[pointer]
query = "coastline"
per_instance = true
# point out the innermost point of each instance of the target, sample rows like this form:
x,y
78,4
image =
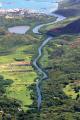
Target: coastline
x,y
14,13
17,11
46,10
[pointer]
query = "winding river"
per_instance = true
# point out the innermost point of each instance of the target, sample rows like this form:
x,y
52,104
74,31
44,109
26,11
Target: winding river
x,y
35,62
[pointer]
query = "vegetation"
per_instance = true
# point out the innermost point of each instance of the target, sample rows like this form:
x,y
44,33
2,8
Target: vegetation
x,y
17,75
63,23
61,62
61,92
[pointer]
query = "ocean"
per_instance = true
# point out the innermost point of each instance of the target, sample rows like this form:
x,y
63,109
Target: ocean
x,y
37,5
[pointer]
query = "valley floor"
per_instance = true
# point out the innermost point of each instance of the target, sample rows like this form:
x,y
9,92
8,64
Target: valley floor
x,y
60,60
17,74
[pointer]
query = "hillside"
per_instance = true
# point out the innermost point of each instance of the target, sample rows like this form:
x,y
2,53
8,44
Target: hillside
x,y
61,61
71,28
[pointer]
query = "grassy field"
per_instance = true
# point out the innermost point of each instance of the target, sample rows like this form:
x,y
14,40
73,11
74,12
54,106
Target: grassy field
x,y
22,75
16,55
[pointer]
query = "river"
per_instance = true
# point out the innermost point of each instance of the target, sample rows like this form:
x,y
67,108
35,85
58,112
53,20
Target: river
x,y
35,62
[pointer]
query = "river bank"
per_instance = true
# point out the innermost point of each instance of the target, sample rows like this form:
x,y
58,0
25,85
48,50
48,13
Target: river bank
x,y
16,54
52,100
35,62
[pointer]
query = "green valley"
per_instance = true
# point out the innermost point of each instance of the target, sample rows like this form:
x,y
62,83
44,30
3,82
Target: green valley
x,y
16,56
40,63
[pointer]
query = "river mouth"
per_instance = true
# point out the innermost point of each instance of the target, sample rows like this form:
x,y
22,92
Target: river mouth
x,y
19,29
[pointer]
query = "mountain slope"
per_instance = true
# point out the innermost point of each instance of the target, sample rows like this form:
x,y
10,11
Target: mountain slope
x,y
71,28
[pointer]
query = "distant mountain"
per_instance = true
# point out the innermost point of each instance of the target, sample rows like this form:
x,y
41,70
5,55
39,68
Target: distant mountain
x,y
69,8
72,1
69,4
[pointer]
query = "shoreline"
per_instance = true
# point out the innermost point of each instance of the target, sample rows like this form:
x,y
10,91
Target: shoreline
x,y
12,13
22,11
18,11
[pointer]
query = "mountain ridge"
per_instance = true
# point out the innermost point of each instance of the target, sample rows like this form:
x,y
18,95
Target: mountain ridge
x,y
69,8
71,28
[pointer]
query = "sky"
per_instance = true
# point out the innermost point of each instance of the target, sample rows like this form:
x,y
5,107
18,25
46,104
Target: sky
x,y
40,5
